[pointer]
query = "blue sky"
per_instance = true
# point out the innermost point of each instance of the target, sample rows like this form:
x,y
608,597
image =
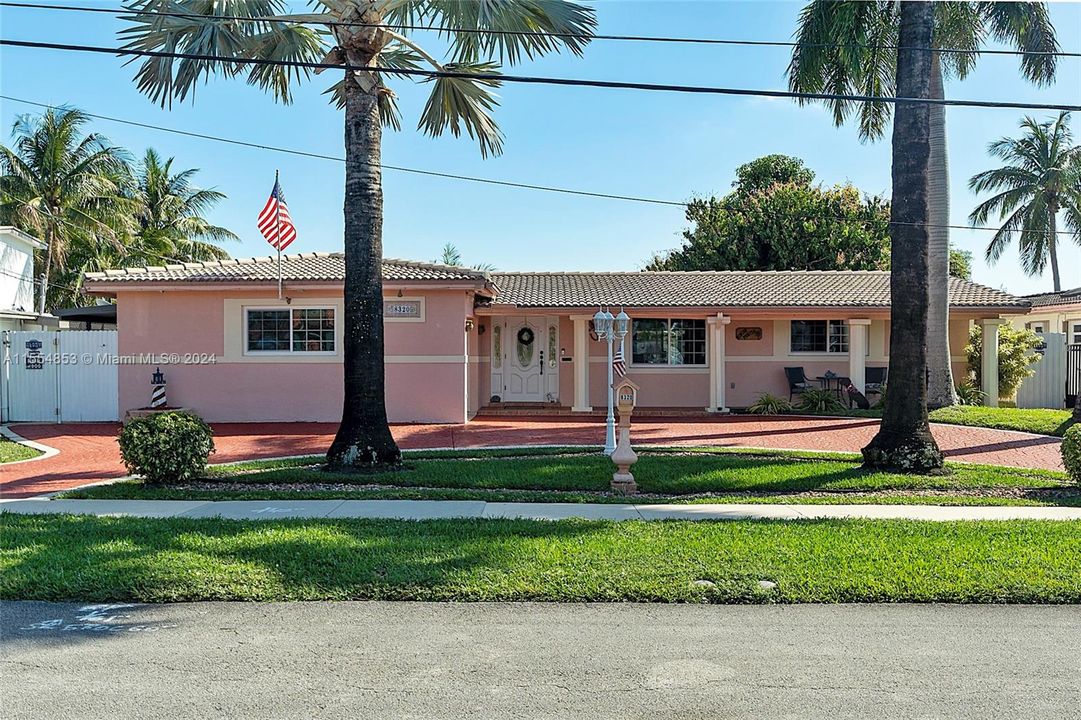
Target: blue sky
x,y
635,143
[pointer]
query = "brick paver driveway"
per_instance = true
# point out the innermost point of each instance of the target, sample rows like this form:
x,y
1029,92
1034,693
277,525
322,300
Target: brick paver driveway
x,y
88,452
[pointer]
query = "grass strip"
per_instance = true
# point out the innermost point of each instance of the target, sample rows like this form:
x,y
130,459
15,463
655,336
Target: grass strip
x,y
134,559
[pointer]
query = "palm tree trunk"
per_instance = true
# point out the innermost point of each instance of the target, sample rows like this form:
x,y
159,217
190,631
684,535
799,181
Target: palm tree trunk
x,y
363,437
1052,244
904,441
43,291
940,390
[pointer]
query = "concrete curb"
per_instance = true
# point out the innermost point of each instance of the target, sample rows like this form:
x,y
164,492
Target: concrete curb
x,y
440,509
45,450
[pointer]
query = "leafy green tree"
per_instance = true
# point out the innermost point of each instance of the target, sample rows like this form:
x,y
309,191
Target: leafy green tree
x,y
904,441
1015,357
1040,177
775,219
361,34
849,47
960,264
67,189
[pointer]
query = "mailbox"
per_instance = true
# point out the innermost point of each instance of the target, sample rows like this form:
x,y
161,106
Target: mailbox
x,y
626,396
626,392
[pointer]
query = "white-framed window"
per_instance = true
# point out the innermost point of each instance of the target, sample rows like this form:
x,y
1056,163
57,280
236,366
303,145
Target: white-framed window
x,y
1075,333
819,336
668,342
279,330
1036,327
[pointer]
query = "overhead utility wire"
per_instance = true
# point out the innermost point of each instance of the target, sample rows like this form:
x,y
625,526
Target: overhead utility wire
x,y
320,156
119,12
450,176
534,80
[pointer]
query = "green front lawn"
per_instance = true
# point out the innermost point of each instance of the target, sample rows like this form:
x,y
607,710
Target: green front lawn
x,y
11,451
130,559
576,475
1041,422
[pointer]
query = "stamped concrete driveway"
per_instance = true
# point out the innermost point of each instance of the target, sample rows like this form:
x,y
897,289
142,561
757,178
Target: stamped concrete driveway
x,y
88,452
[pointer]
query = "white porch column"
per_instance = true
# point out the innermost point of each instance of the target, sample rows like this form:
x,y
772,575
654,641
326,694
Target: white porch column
x,y
989,360
581,363
717,383
857,352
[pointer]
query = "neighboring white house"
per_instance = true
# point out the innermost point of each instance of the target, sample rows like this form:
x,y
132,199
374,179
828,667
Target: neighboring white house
x,y
17,309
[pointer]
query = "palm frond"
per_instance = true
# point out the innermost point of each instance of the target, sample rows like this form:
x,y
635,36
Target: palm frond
x,y
458,104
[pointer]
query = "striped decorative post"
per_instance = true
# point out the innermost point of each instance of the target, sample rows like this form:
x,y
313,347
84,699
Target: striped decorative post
x,y
157,395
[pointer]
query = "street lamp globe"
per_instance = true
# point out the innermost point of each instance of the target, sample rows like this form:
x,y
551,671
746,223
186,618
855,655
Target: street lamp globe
x,y
622,321
602,323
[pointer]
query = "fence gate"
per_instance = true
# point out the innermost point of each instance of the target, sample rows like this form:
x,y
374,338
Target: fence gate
x,y
1046,388
59,376
1073,374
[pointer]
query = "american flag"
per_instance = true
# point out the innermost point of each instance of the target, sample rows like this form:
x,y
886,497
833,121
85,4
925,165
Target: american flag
x,y
618,366
274,221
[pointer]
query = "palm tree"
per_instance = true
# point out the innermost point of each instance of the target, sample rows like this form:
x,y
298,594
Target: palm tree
x,y
451,256
66,188
904,441
1040,177
170,223
361,34
850,47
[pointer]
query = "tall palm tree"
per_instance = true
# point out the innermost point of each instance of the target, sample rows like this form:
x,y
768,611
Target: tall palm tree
x,y
362,34
1040,177
904,441
171,223
850,47
64,187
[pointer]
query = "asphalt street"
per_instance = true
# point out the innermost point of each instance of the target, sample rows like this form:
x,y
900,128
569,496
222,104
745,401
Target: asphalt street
x,y
508,660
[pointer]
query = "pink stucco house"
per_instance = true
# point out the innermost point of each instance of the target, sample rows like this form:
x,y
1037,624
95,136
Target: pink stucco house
x,y
459,340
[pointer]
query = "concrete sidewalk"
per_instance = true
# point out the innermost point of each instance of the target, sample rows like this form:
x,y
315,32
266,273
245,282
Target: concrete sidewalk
x,y
436,509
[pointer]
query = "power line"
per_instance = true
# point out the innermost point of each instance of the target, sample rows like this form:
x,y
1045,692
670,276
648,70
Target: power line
x,y
320,156
449,176
120,12
534,80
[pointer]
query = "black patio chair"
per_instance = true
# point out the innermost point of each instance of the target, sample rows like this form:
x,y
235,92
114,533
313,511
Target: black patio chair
x,y
797,381
874,380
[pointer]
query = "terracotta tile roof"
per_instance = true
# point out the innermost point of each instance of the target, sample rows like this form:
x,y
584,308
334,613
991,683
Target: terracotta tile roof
x,y
723,289
319,266
1062,297
583,289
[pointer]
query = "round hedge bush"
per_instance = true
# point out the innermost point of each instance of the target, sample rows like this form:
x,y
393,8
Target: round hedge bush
x,y
1071,452
166,447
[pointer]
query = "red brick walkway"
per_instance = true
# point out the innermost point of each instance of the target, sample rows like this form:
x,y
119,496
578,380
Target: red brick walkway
x,y
88,452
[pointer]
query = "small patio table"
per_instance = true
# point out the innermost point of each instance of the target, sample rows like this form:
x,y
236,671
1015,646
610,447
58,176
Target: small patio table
x,y
832,383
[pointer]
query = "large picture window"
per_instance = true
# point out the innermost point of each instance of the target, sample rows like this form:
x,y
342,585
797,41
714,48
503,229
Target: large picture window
x,y
668,342
285,330
819,336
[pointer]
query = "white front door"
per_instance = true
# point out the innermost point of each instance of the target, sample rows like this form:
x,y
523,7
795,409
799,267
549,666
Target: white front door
x,y
528,371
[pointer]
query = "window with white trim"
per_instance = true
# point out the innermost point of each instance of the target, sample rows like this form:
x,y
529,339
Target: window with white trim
x,y
819,336
290,330
668,342
1075,334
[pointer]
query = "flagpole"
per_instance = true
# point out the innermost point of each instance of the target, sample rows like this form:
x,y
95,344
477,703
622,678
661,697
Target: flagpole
x,y
278,234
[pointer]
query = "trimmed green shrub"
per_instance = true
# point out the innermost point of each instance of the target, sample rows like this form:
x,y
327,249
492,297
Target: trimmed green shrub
x,y
1071,452
769,404
820,401
166,447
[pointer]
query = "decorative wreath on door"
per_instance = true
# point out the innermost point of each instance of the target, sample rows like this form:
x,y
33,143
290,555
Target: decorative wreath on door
x,y
525,336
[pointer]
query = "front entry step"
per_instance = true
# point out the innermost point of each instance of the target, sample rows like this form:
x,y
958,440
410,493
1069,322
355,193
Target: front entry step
x,y
513,409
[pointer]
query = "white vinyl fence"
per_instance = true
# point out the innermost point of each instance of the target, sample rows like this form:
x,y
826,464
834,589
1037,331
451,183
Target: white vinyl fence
x,y
65,376
1047,388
